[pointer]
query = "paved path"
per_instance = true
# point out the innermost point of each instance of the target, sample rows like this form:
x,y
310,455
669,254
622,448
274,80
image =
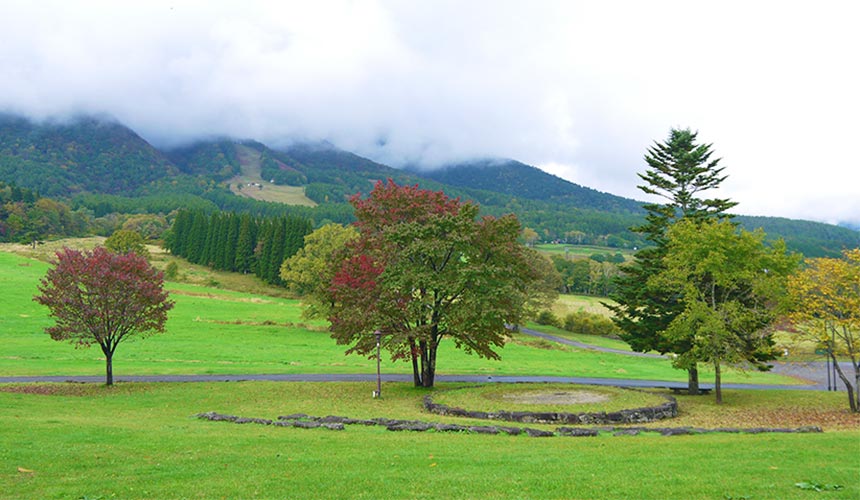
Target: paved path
x,y
581,345
810,376
310,377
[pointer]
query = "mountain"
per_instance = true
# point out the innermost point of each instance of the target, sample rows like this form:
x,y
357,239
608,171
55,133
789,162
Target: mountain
x,y
104,167
84,154
520,180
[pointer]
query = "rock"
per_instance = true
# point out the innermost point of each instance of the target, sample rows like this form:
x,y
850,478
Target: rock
x,y
484,429
809,428
626,432
577,432
293,416
410,426
538,433
450,428
306,425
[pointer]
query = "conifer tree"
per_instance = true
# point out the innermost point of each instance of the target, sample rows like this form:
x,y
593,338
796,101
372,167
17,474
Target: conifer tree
x,y
679,170
245,245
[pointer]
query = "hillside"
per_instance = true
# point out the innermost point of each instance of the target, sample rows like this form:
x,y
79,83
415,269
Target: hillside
x,y
104,167
82,155
520,180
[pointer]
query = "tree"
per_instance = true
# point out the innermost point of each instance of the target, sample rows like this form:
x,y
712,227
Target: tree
x,y
125,241
731,286
679,170
104,298
424,268
826,307
531,236
310,271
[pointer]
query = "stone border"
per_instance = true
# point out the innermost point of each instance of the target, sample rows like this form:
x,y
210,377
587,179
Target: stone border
x,y
337,423
669,409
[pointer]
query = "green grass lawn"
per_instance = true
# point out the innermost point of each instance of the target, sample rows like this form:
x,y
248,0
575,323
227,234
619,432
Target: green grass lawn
x,y
142,441
582,250
216,331
566,304
88,441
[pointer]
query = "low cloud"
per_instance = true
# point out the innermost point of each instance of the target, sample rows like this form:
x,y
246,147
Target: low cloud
x,y
579,89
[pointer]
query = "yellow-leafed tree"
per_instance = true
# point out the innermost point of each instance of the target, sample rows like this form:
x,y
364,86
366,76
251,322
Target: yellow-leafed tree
x,y
826,306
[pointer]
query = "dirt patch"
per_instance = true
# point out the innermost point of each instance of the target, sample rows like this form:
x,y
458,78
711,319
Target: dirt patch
x,y
48,389
556,397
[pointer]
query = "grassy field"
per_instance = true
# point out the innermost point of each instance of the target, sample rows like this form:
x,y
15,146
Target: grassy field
x,y
142,441
217,331
88,441
250,160
582,250
567,304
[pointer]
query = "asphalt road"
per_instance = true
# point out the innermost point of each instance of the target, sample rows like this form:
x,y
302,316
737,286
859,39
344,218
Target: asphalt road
x,y
810,376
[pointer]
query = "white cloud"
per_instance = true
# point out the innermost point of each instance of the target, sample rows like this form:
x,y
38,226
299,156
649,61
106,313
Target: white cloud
x,y
579,88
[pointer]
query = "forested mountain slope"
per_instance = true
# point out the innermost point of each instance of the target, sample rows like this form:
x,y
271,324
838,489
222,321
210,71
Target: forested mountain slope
x,y
85,154
524,181
104,167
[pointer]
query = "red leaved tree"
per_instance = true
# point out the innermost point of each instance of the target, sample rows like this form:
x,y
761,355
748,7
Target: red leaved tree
x,y
103,298
425,268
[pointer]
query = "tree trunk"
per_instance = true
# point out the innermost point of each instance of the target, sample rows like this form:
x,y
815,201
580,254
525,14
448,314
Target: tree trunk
x,y
718,381
430,375
413,352
428,363
693,380
852,400
109,368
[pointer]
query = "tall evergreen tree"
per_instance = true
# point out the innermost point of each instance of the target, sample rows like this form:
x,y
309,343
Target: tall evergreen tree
x,y
679,170
245,244
196,238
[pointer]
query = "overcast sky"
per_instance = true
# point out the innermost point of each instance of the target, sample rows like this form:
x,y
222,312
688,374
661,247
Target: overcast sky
x,y
579,89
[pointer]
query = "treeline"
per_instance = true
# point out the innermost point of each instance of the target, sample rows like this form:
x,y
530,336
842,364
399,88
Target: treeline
x,y
592,276
235,242
26,217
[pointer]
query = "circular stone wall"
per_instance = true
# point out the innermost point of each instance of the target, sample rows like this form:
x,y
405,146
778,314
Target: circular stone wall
x,y
669,409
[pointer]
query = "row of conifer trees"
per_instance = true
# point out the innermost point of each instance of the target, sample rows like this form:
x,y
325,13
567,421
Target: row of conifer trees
x,y
237,242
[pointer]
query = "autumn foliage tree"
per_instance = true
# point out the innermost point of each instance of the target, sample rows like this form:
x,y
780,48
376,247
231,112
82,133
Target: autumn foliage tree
x,y
425,268
103,298
826,307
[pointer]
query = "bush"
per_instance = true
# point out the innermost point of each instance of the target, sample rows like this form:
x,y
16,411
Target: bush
x,y
171,271
590,324
546,317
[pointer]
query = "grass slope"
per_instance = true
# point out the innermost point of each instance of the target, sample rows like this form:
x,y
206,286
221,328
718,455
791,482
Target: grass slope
x,y
215,331
250,161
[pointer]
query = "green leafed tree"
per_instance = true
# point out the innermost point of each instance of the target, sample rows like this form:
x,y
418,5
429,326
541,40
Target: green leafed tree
x,y
680,171
425,269
103,298
731,288
125,240
309,272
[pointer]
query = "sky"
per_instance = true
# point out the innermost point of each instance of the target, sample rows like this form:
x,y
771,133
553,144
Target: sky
x,y
578,89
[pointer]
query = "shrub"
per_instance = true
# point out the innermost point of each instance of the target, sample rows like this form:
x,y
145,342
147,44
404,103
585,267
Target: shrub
x,y
590,324
546,317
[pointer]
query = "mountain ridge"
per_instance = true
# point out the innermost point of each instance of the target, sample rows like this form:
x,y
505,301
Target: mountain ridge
x,y
95,158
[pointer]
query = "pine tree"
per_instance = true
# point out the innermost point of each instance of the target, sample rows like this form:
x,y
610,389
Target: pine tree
x,y
679,171
245,244
196,238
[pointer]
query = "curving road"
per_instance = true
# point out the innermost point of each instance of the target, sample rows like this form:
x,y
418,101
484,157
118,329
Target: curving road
x,y
810,376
